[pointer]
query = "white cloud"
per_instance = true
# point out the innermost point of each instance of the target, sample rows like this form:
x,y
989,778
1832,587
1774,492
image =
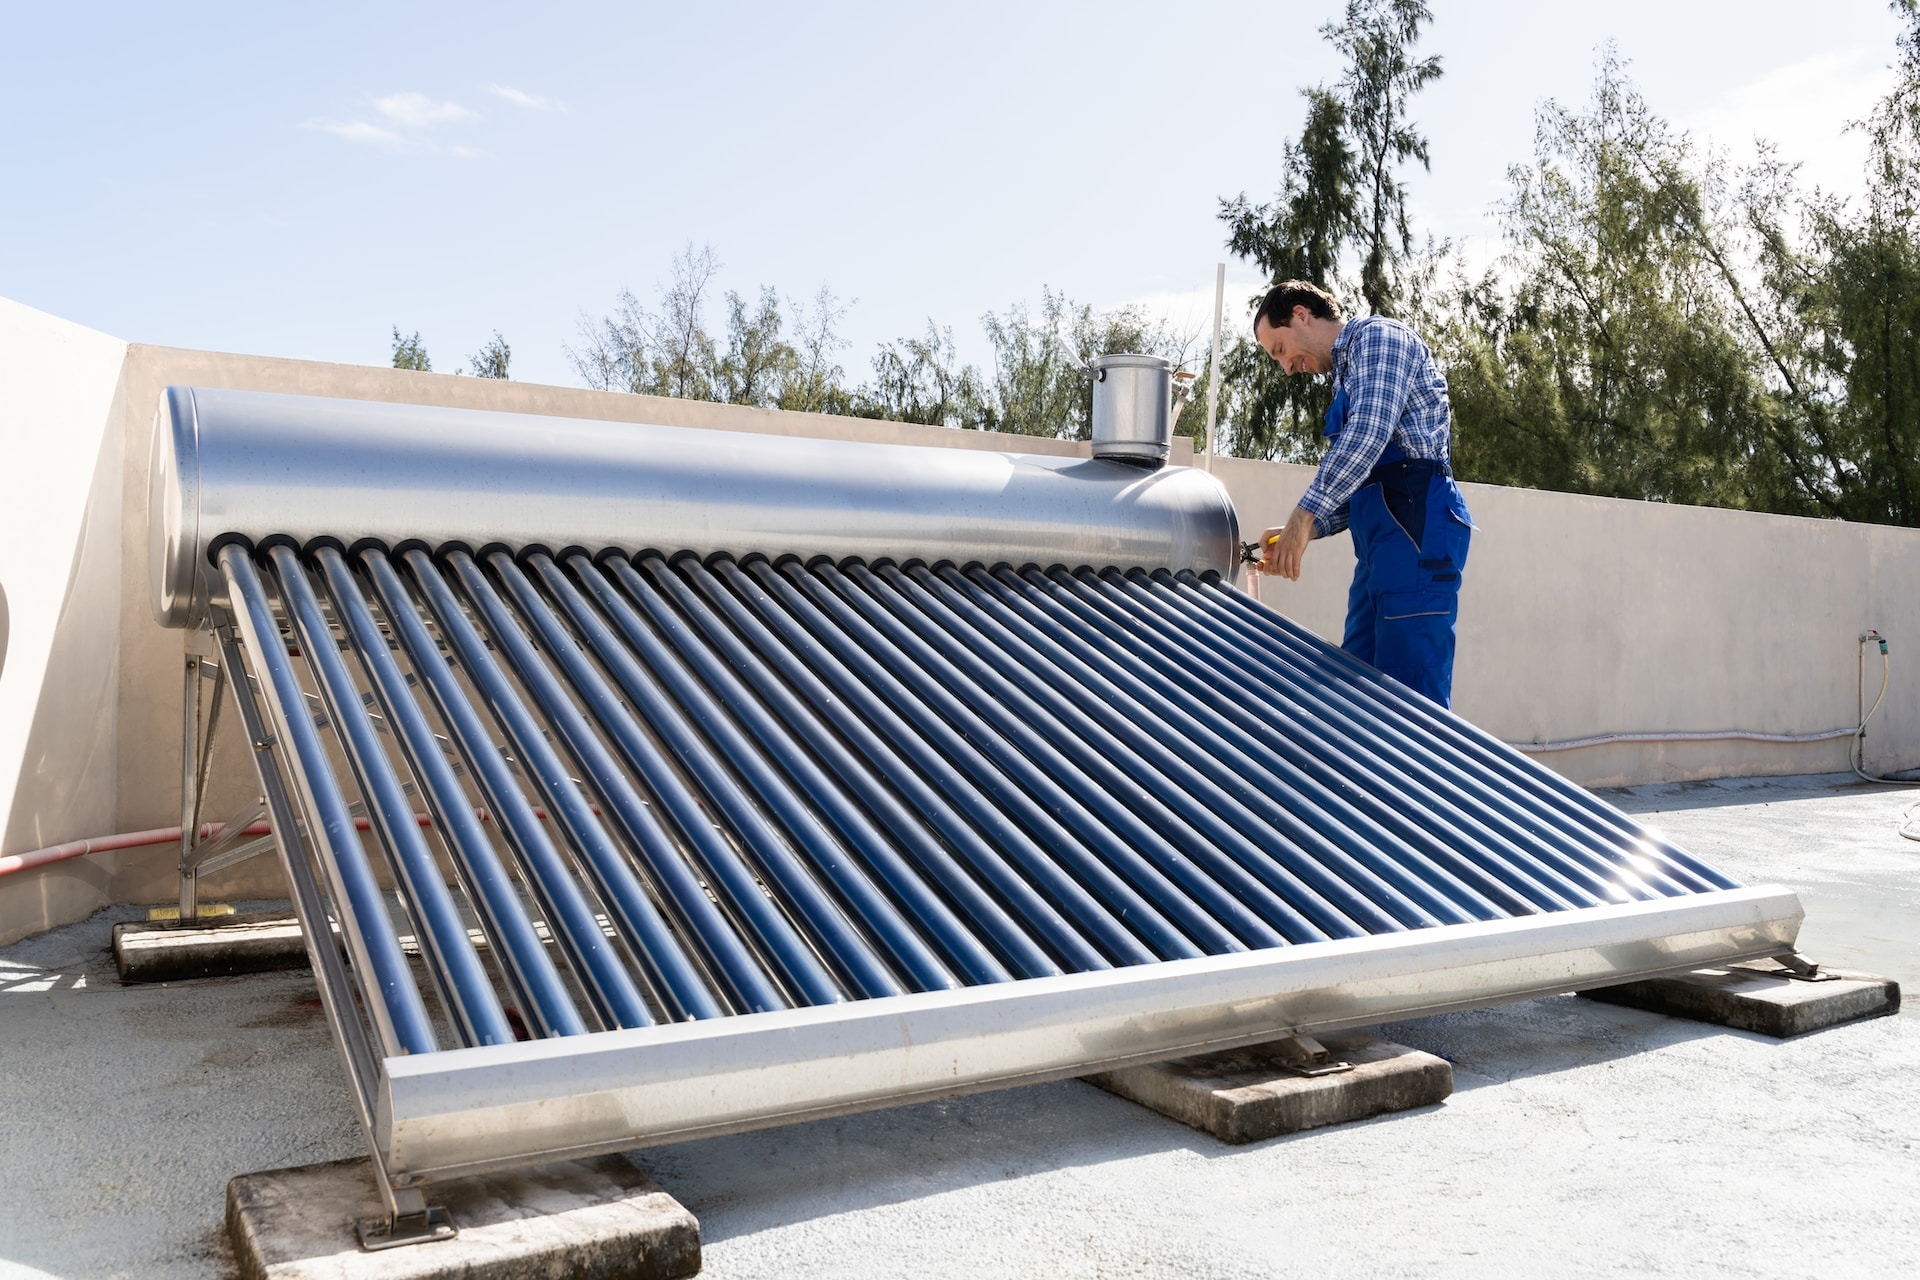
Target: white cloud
x,y
418,111
521,98
408,120
1804,107
357,131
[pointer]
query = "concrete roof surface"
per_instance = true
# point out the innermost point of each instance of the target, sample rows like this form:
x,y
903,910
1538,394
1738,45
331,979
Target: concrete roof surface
x,y
1582,1139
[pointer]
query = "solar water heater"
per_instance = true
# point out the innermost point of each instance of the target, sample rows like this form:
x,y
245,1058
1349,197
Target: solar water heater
x,y
639,783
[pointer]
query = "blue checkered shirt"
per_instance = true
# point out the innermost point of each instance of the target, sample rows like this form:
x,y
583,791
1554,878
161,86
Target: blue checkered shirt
x,y
1394,392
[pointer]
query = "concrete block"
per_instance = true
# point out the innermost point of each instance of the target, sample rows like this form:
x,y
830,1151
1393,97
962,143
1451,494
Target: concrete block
x,y
598,1219
1245,1095
167,951
1759,998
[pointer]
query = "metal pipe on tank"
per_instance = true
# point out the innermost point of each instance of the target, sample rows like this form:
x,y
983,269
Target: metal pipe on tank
x,y
1132,409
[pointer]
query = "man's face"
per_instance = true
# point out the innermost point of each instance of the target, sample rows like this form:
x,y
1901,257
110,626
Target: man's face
x,y
1291,345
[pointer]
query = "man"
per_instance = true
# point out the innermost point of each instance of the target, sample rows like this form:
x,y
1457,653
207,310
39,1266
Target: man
x,y
1385,476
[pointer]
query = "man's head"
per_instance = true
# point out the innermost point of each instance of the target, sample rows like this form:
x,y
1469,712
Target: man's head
x,y
1296,324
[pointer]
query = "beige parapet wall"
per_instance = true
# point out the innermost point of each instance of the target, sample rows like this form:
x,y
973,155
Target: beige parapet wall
x,y
1581,616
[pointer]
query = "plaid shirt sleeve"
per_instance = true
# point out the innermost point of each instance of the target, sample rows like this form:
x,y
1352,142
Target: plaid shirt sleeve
x,y
1381,365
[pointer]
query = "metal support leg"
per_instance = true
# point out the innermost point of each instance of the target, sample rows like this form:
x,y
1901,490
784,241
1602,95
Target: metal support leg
x,y
196,757
1305,1056
198,851
416,1226
189,794
1799,968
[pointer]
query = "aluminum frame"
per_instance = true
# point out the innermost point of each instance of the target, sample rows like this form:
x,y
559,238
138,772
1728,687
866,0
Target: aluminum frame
x,y
467,1111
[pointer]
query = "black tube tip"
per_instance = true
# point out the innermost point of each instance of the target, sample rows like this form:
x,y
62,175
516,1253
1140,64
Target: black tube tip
x,y
489,550
225,540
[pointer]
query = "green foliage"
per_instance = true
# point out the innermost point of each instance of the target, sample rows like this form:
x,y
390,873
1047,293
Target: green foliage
x,y
491,360
1340,204
1301,234
1040,383
1037,376
683,351
1377,39
1842,290
757,364
1608,353
1866,302
922,380
817,383
410,353
666,351
1658,331
613,354
1038,386
1659,327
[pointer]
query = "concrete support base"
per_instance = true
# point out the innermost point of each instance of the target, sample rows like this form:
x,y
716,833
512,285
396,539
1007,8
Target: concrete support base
x,y
162,951
1244,1095
598,1219
1758,997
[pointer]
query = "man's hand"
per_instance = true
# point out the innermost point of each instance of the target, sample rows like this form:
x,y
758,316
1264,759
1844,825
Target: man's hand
x,y
1282,549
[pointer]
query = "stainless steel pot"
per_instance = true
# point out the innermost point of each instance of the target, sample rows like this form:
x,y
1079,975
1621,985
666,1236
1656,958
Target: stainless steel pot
x,y
1132,408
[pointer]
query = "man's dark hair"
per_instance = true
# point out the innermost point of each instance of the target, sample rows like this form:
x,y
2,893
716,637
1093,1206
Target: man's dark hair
x,y
1277,307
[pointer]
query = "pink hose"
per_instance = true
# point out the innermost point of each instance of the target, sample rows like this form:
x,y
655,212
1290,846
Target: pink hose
x,y
107,844
159,835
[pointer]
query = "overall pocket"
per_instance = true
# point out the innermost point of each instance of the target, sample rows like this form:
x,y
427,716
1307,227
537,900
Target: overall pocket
x,y
1408,606
1443,551
1413,640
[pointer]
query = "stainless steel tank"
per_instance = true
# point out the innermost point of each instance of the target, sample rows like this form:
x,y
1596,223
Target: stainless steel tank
x,y
255,465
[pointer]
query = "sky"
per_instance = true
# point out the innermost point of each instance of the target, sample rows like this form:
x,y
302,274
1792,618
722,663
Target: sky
x,y
297,181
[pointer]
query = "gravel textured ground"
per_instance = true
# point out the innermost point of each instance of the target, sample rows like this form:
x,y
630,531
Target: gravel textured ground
x,y
1582,1139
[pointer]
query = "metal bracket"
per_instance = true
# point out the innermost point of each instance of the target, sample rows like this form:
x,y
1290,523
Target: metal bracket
x,y
430,1224
1799,968
199,726
1305,1056
232,844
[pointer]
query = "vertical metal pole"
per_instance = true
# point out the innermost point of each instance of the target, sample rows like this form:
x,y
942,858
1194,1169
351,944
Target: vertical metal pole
x,y
1860,693
196,762
208,734
189,792
1213,365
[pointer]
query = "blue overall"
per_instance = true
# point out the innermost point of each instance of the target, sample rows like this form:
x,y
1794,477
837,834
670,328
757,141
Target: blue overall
x,y
1410,533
